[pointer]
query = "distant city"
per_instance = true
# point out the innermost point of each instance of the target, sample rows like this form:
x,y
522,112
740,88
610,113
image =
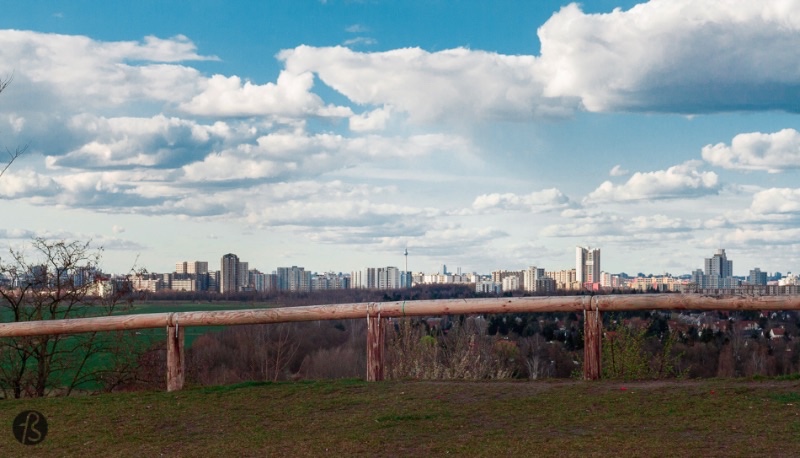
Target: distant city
x,y
235,275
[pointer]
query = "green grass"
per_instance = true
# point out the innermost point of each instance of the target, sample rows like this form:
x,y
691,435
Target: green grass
x,y
355,418
148,336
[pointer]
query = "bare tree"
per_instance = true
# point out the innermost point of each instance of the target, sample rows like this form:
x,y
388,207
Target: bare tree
x,y
12,155
60,280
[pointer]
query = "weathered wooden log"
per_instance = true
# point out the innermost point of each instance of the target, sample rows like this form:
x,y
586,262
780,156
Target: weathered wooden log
x,y
592,338
402,308
176,364
376,337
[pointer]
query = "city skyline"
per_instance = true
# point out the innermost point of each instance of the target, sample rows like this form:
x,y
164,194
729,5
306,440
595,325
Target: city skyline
x,y
717,265
337,134
235,276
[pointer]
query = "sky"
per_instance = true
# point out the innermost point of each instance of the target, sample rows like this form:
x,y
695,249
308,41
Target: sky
x,y
335,134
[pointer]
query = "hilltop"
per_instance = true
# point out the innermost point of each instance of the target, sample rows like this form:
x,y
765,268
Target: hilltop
x,y
718,417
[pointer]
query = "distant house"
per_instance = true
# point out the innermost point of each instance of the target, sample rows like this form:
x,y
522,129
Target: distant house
x,y
777,333
749,328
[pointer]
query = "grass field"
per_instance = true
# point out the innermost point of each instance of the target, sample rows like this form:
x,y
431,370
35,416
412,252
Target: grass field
x,y
355,418
146,337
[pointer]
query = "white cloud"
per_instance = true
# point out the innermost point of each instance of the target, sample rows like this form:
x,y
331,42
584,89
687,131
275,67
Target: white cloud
x,y
761,236
680,181
151,142
296,154
618,171
87,73
360,41
290,96
537,201
587,225
773,153
356,28
776,200
374,120
661,223
26,183
433,86
683,56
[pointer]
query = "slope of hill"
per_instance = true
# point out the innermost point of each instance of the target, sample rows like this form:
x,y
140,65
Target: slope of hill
x,y
355,418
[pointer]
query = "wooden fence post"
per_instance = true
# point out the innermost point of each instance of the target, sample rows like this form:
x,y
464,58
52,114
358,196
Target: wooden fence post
x,y
376,336
592,337
176,365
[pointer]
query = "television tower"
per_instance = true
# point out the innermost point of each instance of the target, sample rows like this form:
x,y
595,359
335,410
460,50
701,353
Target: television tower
x,y
405,253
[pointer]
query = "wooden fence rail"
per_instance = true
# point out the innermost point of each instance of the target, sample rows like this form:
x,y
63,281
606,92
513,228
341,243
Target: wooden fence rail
x,y
376,314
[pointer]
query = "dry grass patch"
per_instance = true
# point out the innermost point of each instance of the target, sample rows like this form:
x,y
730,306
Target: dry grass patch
x,y
354,418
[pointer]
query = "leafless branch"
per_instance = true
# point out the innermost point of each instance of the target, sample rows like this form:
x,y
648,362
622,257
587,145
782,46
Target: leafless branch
x,y
5,83
12,156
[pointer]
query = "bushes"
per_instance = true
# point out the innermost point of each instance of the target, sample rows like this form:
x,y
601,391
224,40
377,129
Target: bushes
x,y
324,349
628,354
464,352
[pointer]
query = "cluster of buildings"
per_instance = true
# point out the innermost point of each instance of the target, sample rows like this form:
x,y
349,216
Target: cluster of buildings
x,y
235,275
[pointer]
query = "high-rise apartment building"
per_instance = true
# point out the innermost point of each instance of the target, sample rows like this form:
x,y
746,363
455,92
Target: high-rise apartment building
x,y
499,275
531,274
537,281
243,277
229,275
757,277
565,279
719,265
377,278
194,271
718,272
294,279
587,265
511,283
258,280
197,267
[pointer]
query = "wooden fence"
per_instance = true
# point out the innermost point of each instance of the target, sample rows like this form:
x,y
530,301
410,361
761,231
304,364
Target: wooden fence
x,y
377,313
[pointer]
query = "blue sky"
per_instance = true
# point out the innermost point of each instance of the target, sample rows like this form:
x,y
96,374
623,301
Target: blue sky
x,y
333,134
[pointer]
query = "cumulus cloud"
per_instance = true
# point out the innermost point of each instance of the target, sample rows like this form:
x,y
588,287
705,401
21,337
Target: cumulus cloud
x,y
773,152
281,155
26,183
776,200
335,207
537,201
290,96
587,225
432,86
661,223
680,181
374,120
679,56
157,141
90,73
761,236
